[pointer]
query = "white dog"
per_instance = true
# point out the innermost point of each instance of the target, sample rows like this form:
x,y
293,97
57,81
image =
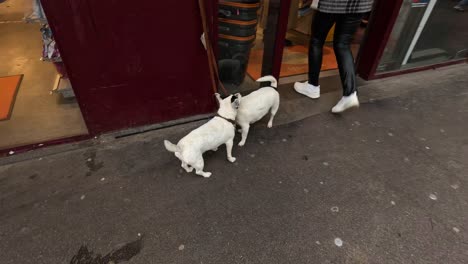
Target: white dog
x,y
256,105
219,130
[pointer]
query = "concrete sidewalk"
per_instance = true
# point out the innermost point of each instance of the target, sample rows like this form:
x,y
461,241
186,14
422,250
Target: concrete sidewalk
x,y
388,180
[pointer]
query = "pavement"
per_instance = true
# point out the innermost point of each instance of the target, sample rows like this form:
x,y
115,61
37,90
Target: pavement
x,y
387,183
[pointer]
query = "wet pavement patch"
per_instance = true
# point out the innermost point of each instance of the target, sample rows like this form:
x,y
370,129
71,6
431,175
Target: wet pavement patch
x,y
121,254
91,163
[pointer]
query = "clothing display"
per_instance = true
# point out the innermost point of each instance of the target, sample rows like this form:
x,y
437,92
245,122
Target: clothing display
x,y
50,51
36,14
237,28
239,11
237,32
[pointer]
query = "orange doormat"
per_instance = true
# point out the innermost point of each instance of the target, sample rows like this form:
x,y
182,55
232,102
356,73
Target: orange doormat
x,y
295,61
8,89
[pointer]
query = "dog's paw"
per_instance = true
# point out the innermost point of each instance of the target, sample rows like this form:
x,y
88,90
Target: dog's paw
x,y
206,175
241,144
270,124
232,159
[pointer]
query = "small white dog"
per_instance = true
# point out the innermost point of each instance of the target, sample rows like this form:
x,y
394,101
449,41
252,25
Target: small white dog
x,y
219,130
256,105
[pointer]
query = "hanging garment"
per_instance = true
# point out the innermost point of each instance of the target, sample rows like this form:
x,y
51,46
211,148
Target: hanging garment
x,y
50,51
37,13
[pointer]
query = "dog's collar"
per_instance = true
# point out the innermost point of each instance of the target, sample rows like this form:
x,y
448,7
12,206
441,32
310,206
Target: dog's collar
x,y
233,122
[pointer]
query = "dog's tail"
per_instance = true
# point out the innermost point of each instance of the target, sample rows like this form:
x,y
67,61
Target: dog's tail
x,y
171,147
270,79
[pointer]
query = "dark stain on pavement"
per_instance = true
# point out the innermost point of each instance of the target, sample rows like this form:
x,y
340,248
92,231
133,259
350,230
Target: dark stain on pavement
x,y
34,176
91,163
121,254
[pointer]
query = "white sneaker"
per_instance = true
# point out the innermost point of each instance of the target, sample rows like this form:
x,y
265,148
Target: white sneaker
x,y
307,89
459,8
345,103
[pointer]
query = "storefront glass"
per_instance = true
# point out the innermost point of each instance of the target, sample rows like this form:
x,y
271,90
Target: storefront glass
x,y
427,32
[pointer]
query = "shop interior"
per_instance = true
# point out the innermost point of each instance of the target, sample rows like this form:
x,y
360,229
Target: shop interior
x,y
242,43
37,103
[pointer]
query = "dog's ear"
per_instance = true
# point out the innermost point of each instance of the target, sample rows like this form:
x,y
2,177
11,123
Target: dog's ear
x,y
218,97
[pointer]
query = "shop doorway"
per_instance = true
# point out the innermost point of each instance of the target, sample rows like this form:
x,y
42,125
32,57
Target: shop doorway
x,y
258,37
37,102
294,65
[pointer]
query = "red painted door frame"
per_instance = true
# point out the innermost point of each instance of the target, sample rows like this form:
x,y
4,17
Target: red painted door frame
x,y
282,28
383,17
132,64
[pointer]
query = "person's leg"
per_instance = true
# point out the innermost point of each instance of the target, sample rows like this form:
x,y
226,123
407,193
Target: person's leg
x,y
321,25
346,26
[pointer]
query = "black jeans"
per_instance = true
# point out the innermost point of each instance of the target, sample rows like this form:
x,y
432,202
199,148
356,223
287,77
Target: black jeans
x,y
346,26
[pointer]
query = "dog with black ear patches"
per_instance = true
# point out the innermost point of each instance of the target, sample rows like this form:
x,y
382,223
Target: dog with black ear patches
x,y
256,105
216,132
